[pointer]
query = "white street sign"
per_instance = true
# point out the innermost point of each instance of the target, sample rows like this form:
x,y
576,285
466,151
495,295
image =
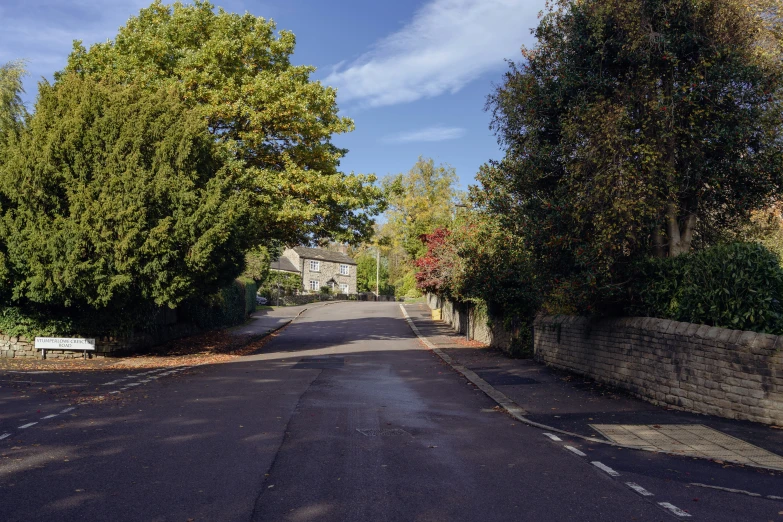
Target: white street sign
x,y
64,343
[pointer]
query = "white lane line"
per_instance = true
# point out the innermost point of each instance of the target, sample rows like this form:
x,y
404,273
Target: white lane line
x,y
730,490
112,382
603,467
575,451
25,426
774,497
53,415
66,410
553,437
134,384
113,392
636,487
674,509
5,436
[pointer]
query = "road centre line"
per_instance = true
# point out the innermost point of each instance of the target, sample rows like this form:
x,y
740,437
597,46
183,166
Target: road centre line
x,y
25,426
636,487
50,416
575,451
603,467
553,437
673,509
66,410
5,436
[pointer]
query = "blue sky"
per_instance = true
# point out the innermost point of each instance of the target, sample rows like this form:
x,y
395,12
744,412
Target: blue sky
x,y
414,75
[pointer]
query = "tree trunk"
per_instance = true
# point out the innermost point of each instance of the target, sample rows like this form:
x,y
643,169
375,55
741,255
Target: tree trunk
x,y
680,237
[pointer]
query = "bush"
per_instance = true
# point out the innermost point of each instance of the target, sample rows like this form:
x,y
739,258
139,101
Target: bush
x,y
228,307
736,286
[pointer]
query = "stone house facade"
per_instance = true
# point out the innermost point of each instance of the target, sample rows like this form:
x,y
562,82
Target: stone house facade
x,y
320,267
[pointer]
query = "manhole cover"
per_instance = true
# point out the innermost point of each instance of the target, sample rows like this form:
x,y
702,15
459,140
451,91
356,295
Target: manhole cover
x,y
391,432
506,379
320,363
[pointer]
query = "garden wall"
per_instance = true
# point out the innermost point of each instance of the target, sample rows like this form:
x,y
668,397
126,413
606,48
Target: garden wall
x,y
471,322
729,373
20,347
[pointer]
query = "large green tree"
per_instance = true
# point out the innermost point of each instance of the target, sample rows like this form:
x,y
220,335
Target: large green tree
x,y
12,109
115,197
637,127
236,72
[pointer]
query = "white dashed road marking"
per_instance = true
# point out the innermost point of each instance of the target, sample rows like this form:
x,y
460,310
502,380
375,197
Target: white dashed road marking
x,y
51,416
575,451
66,410
553,437
603,467
25,426
674,509
636,487
5,436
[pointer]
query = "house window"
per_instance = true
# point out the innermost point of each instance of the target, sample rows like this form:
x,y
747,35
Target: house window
x,y
315,266
344,270
314,285
343,288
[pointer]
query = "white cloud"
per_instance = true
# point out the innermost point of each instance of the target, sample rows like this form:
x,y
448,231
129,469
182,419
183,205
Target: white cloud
x,y
437,133
447,44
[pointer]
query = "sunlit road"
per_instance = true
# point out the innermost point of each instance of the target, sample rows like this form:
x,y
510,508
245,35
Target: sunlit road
x,y
344,416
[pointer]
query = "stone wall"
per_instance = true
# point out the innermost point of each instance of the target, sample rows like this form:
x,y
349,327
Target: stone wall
x,y
729,373
302,299
19,347
471,322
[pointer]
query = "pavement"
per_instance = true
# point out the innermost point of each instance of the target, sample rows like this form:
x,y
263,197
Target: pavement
x,y
264,322
341,416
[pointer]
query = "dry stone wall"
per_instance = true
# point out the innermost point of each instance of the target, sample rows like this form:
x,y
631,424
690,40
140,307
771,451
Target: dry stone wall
x,y
729,373
467,320
20,347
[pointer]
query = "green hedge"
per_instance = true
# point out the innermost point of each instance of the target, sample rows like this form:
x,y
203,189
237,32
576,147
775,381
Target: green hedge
x,y
738,286
229,307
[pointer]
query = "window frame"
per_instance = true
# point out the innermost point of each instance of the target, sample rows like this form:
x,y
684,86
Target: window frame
x,y
347,270
344,287
315,266
315,287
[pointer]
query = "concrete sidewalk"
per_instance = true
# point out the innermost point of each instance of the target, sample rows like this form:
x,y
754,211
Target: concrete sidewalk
x,y
264,322
581,406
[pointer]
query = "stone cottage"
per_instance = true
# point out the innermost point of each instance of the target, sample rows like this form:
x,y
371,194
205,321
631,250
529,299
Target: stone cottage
x,y
319,267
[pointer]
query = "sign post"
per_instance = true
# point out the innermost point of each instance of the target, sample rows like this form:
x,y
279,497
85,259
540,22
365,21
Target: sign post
x,y
63,343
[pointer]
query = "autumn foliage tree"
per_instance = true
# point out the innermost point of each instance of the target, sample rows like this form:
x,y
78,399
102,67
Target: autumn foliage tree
x,y
642,127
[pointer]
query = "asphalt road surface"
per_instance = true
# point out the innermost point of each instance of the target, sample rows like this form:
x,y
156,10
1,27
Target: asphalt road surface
x,y
343,416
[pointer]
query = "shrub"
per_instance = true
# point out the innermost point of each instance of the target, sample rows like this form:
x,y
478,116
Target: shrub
x,y
737,286
228,307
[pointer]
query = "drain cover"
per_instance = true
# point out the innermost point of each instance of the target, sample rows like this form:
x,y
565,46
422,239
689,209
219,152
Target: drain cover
x,y
320,363
392,432
505,379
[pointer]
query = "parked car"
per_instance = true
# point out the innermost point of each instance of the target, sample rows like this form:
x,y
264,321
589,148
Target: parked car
x,y
260,300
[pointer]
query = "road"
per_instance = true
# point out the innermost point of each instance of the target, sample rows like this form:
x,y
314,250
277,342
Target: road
x,y
343,416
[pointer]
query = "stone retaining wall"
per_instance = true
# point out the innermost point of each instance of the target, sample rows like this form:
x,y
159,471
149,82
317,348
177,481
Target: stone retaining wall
x,y
19,347
466,319
729,373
